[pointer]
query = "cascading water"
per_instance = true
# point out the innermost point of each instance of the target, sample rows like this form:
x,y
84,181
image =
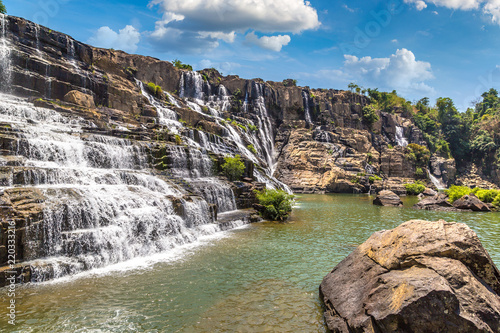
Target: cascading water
x,y
307,109
102,205
166,116
400,138
5,60
440,185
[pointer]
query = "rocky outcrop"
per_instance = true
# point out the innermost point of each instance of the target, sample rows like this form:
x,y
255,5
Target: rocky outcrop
x,y
471,202
80,99
420,277
388,198
443,169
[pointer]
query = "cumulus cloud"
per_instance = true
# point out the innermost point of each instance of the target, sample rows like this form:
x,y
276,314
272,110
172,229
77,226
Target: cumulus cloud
x,y
209,21
272,43
400,71
488,7
125,39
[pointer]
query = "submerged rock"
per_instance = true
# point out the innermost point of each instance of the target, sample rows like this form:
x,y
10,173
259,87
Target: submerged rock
x,y
387,198
419,277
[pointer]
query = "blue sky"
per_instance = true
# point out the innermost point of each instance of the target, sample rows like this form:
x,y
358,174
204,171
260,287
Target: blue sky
x,y
436,48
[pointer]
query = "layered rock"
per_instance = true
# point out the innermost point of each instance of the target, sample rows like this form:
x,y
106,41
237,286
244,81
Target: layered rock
x,y
420,277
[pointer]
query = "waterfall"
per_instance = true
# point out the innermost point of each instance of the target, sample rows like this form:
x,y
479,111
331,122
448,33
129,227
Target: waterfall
x,y
440,185
5,60
264,124
307,111
166,116
400,138
102,203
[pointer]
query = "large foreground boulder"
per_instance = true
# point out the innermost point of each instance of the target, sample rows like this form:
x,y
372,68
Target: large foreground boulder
x,y
420,277
388,198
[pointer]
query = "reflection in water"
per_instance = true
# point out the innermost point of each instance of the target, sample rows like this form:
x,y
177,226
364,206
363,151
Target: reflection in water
x,y
263,277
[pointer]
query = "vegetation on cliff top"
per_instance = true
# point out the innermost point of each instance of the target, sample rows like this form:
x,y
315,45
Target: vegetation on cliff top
x,y
3,10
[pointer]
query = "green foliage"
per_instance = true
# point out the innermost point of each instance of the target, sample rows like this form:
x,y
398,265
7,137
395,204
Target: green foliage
x,y
483,144
178,139
252,149
373,179
419,173
370,115
253,128
388,102
496,201
487,196
389,146
420,153
154,89
415,188
277,204
178,64
456,192
3,10
233,167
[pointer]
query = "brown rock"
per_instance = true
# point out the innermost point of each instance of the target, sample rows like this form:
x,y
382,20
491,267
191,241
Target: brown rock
x,y
79,98
387,198
420,277
471,202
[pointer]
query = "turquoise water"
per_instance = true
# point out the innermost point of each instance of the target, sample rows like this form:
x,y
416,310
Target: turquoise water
x,y
264,277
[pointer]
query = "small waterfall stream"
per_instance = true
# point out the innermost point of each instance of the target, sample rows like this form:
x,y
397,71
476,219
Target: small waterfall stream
x,y
400,138
307,108
440,185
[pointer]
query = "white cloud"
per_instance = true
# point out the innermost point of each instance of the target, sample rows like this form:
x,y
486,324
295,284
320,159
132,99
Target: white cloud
x,y
394,41
489,7
400,71
273,43
206,22
126,39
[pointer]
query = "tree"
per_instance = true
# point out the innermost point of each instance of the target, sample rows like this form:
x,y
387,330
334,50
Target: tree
x,y
3,10
276,204
352,86
233,167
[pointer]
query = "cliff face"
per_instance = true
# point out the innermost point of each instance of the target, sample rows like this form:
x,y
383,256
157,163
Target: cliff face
x,y
98,137
325,125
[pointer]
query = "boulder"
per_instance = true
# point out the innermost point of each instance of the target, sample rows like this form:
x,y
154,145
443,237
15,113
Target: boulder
x,y
438,202
471,202
429,192
419,277
387,198
79,98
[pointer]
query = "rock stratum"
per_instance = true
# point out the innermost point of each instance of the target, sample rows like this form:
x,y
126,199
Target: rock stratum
x,y
419,277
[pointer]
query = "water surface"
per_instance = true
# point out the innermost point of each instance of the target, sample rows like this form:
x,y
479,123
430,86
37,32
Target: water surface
x,y
262,278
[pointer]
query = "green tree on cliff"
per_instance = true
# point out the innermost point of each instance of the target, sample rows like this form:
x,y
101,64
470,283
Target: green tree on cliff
x,y
3,10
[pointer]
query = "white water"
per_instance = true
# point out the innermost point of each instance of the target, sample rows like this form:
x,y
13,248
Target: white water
x,y
400,139
5,61
440,185
103,206
307,111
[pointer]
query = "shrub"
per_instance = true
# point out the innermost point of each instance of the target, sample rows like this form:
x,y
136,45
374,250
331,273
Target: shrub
x,y
389,146
178,64
415,188
370,115
421,153
3,10
487,196
154,89
456,192
233,167
277,204
419,173
253,128
252,149
372,179
178,139
496,201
